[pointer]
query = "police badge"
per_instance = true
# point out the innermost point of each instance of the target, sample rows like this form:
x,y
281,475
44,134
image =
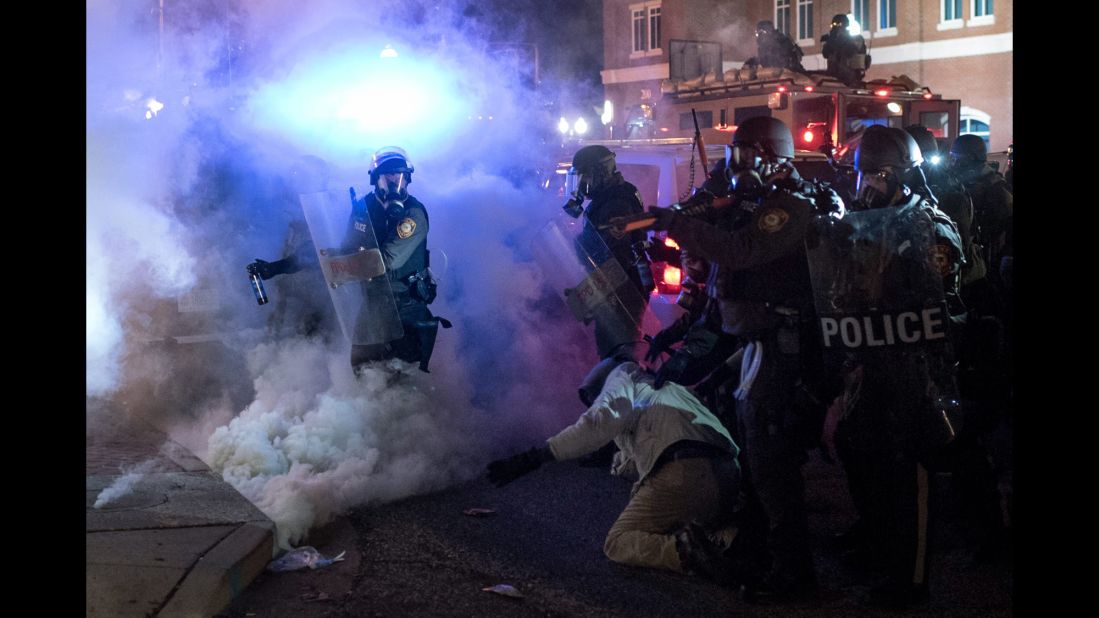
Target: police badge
x,y
406,228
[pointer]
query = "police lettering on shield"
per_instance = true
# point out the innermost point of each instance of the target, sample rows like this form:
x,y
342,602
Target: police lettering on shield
x,y
882,329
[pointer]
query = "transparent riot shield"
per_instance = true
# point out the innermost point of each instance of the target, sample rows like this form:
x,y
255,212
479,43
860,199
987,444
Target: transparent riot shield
x,y
577,262
879,298
356,276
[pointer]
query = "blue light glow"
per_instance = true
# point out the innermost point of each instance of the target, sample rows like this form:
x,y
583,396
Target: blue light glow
x,y
348,101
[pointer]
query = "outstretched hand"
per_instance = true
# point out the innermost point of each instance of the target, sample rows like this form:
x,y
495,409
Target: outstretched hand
x,y
503,471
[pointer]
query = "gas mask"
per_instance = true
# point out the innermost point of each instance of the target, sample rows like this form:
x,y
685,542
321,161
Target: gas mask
x,y
392,187
878,189
578,187
750,170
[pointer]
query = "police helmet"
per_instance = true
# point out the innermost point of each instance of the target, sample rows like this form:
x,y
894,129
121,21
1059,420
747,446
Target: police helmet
x,y
924,139
765,26
390,160
589,157
592,169
968,151
886,147
840,20
771,135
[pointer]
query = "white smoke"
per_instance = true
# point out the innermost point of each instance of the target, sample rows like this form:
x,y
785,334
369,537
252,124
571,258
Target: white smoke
x,y
125,484
182,200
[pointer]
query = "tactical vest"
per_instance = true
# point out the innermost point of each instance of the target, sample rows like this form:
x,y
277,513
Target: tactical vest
x,y
384,227
749,298
625,196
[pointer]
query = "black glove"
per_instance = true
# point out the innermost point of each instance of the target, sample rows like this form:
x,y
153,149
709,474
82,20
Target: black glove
x,y
672,370
266,270
662,342
503,471
664,217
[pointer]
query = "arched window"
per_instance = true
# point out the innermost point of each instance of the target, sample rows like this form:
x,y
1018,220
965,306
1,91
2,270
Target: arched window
x,y
975,122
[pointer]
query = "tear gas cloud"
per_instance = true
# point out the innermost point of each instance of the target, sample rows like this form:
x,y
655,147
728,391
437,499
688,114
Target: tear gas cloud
x,y
202,128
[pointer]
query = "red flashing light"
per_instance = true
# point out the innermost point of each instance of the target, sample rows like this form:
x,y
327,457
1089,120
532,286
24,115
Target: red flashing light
x,y
668,242
808,136
782,88
882,93
927,95
808,89
672,275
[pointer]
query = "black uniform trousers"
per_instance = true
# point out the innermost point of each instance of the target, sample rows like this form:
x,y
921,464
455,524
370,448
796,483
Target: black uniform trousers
x,y
409,348
884,443
773,452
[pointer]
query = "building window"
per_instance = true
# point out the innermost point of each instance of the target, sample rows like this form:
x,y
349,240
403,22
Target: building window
x,y
951,15
805,22
860,12
952,10
973,126
639,31
782,16
645,19
654,28
980,13
887,15
974,121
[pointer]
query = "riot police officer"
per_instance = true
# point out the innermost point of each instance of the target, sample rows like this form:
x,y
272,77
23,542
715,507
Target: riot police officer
x,y
595,177
763,295
892,419
846,54
399,221
397,224
987,370
992,201
775,49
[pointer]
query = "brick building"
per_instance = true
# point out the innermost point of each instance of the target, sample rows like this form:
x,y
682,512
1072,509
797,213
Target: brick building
x,y
961,49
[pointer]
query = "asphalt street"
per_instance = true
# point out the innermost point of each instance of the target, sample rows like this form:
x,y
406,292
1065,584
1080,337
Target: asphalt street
x,y
424,557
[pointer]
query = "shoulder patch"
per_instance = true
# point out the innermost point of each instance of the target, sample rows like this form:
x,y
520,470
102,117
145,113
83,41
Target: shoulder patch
x,y
773,220
942,260
406,228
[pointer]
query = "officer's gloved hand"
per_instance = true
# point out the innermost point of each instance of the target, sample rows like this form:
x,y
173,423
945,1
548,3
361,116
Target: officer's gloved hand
x,y
660,344
672,370
664,217
503,471
285,266
266,270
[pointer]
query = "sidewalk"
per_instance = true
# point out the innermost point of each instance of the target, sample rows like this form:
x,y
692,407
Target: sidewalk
x,y
179,542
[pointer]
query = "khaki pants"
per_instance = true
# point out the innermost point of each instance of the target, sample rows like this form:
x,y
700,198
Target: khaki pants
x,y
678,493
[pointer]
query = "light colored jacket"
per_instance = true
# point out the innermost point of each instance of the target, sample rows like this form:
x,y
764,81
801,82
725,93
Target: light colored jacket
x,y
642,421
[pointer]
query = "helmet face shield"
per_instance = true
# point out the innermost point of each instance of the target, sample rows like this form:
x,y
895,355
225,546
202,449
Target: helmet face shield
x,y
578,184
876,189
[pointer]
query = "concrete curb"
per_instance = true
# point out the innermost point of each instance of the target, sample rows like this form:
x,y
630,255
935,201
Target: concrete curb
x,y
223,572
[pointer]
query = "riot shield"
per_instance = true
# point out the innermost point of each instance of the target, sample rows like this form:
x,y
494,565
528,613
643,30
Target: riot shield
x,y
879,298
577,262
356,276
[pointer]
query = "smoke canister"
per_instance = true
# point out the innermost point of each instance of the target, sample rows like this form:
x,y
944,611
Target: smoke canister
x,y
257,285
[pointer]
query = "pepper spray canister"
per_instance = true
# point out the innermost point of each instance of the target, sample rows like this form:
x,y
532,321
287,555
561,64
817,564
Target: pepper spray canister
x,y
257,284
